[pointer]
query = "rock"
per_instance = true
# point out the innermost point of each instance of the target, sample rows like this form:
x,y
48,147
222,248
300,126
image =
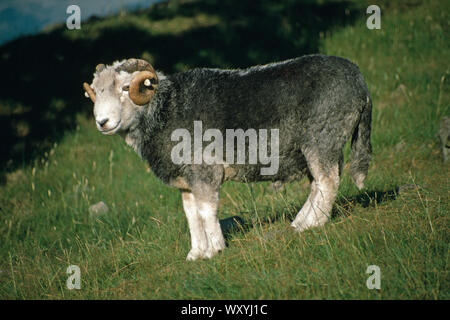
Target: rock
x,y
444,135
98,210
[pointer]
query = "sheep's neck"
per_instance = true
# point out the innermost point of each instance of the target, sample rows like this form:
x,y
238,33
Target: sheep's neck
x,y
132,139
138,135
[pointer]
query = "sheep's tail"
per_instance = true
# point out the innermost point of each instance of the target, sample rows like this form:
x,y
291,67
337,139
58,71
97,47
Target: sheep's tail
x,y
361,146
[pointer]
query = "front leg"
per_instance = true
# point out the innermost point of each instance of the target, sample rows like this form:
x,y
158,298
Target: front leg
x,y
199,242
207,204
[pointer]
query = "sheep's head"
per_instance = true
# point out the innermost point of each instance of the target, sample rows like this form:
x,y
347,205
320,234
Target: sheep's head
x,y
119,91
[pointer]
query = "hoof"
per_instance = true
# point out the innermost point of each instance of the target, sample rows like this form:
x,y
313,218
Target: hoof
x,y
306,225
195,254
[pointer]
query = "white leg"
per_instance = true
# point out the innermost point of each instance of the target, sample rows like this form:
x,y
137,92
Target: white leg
x,y
208,212
317,209
199,242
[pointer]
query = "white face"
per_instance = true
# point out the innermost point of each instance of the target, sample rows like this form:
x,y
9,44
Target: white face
x,y
113,109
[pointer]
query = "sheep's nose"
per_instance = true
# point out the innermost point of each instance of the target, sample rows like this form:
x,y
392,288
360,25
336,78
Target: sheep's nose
x,y
102,122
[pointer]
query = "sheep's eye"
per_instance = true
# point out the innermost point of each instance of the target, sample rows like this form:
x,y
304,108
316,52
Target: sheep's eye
x,y
126,88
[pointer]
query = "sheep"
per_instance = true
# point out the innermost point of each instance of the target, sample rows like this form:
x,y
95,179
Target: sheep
x,y
315,103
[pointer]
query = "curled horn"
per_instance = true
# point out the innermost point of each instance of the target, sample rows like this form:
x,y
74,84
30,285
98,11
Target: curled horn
x,y
143,85
90,93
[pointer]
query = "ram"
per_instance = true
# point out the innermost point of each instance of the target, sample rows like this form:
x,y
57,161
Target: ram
x,y
314,103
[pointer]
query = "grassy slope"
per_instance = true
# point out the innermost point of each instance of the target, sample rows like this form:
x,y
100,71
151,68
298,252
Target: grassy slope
x,y
138,250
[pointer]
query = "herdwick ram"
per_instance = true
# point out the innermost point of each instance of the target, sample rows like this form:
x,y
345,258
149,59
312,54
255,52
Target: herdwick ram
x,y
315,102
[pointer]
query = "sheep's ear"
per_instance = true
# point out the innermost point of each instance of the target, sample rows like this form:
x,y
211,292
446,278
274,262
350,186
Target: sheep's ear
x,y
100,67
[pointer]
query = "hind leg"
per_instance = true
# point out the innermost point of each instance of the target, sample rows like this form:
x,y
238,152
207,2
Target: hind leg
x,y
324,186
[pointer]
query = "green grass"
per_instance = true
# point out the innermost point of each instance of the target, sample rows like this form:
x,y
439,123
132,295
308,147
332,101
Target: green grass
x,y
138,249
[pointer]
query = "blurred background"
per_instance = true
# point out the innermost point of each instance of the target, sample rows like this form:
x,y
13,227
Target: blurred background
x,y
24,17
